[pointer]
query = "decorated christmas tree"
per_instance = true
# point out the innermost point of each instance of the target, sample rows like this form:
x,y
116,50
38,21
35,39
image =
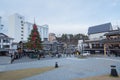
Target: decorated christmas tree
x,y
34,40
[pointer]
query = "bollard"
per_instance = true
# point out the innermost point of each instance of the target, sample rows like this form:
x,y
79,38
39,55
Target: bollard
x,y
114,71
56,65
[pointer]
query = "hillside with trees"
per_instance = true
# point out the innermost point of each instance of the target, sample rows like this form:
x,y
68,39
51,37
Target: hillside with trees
x,y
72,39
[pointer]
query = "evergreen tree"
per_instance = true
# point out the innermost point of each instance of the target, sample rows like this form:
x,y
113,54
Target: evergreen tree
x,y
34,40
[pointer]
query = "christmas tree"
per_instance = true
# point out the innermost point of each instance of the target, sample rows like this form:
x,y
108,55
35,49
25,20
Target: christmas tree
x,y
34,40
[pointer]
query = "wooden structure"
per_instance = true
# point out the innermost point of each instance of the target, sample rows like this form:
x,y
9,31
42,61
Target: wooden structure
x,y
112,42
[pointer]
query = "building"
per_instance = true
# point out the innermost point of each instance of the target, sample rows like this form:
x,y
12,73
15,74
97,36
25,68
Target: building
x,y
19,29
112,43
52,37
0,22
43,30
96,34
5,43
16,27
1,25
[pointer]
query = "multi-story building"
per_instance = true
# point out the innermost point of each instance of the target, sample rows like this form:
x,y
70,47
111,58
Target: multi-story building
x,y
0,21
16,27
1,25
20,30
96,34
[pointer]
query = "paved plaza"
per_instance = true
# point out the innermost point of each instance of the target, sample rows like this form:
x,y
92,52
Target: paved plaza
x,y
69,67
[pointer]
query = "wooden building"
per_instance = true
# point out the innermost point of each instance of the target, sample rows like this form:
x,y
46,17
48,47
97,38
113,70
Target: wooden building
x,y
112,43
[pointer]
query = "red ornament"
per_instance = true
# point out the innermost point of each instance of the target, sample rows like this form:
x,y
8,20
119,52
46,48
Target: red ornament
x,y
35,33
33,38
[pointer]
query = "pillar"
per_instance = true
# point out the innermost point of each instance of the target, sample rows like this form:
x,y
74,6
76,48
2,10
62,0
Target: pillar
x,y
105,49
1,43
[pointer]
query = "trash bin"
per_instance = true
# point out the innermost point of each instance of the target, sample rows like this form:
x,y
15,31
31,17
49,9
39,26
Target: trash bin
x,y
114,71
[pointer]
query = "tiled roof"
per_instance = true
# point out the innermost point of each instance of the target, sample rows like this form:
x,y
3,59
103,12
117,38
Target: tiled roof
x,y
100,28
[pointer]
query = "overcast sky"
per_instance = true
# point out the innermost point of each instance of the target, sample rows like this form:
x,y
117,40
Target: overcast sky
x,y
65,16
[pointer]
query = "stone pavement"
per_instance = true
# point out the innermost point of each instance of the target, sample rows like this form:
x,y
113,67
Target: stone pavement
x,y
69,68
72,68
4,60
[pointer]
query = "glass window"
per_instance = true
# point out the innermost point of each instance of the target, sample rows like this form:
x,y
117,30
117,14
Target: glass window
x,y
22,24
21,21
22,31
6,41
21,27
20,17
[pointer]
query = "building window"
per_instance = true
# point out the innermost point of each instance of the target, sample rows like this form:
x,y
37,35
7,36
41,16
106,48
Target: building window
x,y
20,17
21,21
21,37
5,41
21,27
21,34
21,31
22,24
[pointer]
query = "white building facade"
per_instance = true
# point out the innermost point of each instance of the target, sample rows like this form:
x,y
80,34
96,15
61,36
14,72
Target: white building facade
x,y
0,21
1,25
16,27
20,30
5,42
43,30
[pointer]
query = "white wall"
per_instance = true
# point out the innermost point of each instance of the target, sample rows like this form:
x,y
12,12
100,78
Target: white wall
x,y
0,20
15,27
80,44
0,24
11,27
97,36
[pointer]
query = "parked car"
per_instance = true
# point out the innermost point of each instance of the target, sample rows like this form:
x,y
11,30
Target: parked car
x,y
85,53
